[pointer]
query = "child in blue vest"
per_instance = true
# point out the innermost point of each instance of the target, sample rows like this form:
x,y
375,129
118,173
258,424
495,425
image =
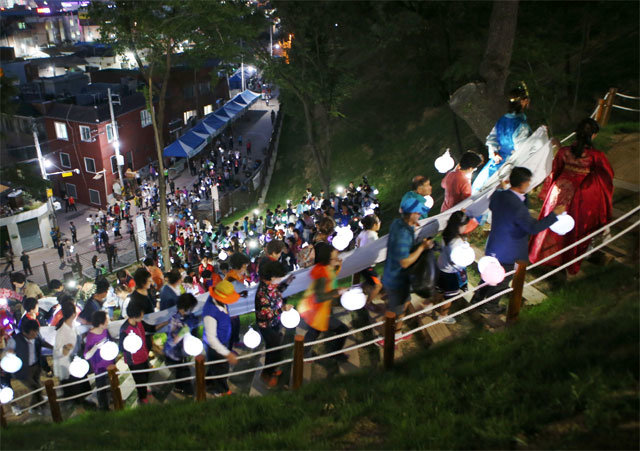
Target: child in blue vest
x,y
217,334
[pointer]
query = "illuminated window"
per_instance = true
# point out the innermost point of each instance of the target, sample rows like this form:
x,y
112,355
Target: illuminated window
x,y
208,109
85,133
61,131
145,118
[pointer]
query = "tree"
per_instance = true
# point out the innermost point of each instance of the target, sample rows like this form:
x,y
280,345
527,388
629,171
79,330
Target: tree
x,y
480,104
155,32
318,70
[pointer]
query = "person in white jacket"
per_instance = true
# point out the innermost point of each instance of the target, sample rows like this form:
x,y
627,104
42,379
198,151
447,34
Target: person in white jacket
x,y
65,347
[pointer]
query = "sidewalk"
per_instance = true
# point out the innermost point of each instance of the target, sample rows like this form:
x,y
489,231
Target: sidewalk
x,y
255,125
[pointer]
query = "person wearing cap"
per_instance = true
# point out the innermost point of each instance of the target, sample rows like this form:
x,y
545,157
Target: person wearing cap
x,y
402,253
217,333
420,188
95,302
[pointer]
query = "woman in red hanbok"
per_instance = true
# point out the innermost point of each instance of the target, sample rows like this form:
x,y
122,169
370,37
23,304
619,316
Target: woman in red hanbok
x,y
582,181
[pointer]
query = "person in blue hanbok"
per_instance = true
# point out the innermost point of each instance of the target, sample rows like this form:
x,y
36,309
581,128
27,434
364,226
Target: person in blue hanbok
x,y
510,131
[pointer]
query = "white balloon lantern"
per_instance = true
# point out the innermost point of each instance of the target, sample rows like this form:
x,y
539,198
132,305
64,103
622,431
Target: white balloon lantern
x,y
11,363
353,299
79,367
493,273
192,345
251,339
428,201
563,225
109,351
444,163
222,255
486,261
343,237
132,343
463,255
6,395
290,318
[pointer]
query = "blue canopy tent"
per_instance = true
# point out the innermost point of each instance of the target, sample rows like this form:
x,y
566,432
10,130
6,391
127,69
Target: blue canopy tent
x,y
234,109
235,81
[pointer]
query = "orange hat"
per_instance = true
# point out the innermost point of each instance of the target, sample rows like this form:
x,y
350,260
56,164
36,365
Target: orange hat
x,y
224,292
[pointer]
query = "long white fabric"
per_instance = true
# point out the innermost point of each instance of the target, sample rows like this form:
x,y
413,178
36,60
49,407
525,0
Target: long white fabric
x,y
535,154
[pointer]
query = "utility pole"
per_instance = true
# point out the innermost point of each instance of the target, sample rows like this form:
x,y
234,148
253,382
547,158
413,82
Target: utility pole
x,y
43,171
270,39
242,73
116,145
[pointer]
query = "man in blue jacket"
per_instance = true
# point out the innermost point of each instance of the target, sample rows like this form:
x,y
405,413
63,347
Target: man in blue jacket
x,y
511,226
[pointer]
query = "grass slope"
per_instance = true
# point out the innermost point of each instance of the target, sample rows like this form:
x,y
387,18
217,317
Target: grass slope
x,y
565,376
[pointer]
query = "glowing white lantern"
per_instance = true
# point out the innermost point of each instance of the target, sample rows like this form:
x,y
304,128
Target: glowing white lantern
x,y
192,345
290,318
486,261
493,273
563,225
109,351
444,163
462,255
6,395
256,212
222,255
428,201
253,244
339,189
343,238
375,192
353,299
71,284
132,343
252,339
79,367
11,363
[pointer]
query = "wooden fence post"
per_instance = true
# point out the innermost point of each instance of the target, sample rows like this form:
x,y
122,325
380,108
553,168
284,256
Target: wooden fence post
x,y
53,401
609,106
201,393
389,339
118,403
46,272
3,420
298,362
599,111
516,297
135,243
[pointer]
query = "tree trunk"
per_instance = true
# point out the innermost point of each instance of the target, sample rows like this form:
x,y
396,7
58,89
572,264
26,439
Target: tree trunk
x,y
481,104
318,154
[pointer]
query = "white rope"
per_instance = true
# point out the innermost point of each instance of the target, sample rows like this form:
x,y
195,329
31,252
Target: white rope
x,y
588,237
31,393
250,370
351,332
157,368
341,351
624,96
70,384
169,381
82,395
568,137
38,404
252,354
625,108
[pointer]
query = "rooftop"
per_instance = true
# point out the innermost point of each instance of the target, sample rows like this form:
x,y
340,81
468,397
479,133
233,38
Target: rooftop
x,y
94,114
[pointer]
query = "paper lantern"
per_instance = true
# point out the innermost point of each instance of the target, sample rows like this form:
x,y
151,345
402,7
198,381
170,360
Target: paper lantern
x,y
375,192
353,299
444,163
6,395
109,351
192,345
290,318
79,367
222,255
11,363
493,273
252,339
563,225
132,343
462,255
428,201
485,261
343,237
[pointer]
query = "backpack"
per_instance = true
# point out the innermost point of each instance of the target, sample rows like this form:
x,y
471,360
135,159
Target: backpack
x,y
423,273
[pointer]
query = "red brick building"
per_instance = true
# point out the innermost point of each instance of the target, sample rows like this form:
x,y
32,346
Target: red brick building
x,y
81,137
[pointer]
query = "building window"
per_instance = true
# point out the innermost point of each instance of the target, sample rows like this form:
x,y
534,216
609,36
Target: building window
x,y
188,91
94,196
90,165
61,131
114,165
129,157
85,133
189,114
145,118
22,26
205,87
208,109
71,190
65,161
110,136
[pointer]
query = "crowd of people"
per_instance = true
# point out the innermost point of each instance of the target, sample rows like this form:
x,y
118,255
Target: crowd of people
x,y
221,262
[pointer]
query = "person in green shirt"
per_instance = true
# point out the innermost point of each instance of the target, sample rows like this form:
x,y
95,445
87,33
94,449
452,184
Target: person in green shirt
x,y
420,189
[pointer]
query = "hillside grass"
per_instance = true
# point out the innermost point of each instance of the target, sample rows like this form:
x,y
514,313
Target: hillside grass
x,y
564,377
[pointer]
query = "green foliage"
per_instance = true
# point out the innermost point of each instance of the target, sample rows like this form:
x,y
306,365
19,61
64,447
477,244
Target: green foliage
x,y
565,376
27,177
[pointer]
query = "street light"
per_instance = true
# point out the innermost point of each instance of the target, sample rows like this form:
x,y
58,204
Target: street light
x,y
102,174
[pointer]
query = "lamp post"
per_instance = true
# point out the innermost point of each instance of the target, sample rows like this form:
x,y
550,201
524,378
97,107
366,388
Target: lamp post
x,y
43,171
116,142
